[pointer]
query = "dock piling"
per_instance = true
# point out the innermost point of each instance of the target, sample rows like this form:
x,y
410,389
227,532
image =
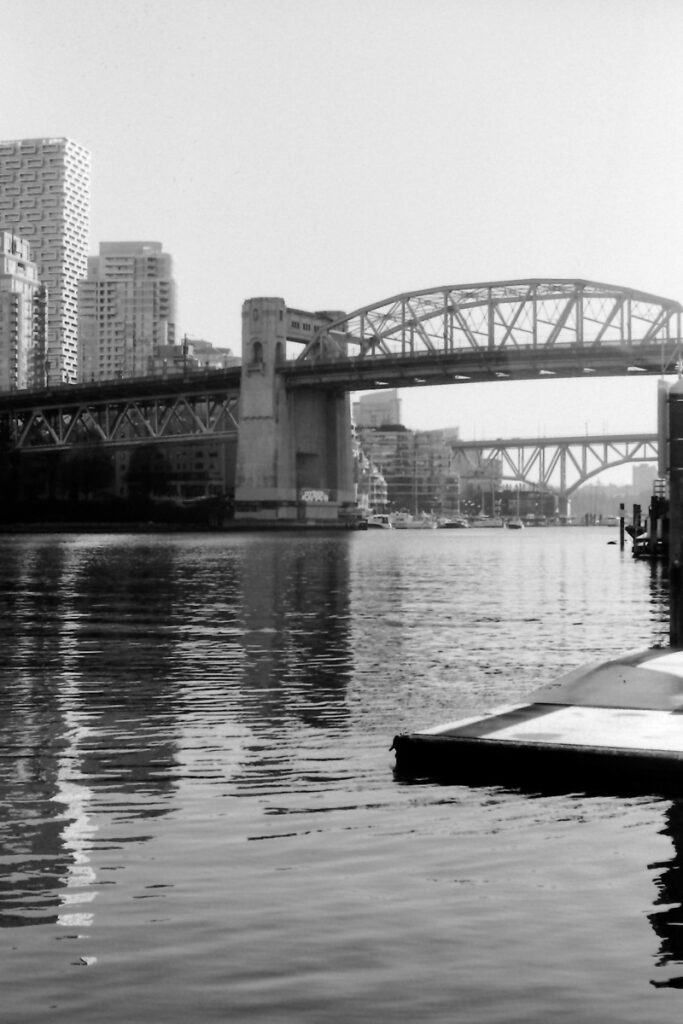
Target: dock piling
x,y
675,470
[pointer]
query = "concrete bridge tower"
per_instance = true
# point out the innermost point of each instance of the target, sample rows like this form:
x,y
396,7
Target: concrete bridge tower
x,y
294,456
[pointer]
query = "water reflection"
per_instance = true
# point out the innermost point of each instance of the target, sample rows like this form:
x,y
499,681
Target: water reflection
x,y
297,655
86,709
164,700
128,665
667,921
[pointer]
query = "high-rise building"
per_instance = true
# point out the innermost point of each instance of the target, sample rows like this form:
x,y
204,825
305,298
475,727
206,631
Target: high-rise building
x,y
45,198
378,409
127,310
22,316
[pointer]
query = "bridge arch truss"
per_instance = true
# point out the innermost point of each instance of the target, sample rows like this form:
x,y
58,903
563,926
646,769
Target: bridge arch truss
x,y
520,329
563,462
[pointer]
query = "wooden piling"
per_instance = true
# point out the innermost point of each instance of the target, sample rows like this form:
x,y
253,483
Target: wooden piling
x,y
675,470
621,526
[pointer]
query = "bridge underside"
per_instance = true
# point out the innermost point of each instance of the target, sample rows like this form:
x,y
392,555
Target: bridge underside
x,y
471,367
123,414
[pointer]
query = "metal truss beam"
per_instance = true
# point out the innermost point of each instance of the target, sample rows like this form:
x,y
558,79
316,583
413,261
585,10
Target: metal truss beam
x,y
118,416
496,330
540,461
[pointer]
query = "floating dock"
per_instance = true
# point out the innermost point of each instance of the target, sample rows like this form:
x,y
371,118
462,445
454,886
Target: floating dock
x,y
611,726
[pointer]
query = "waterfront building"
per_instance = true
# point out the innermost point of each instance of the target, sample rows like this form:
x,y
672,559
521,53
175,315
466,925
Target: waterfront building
x,y
127,316
45,199
414,465
22,316
378,409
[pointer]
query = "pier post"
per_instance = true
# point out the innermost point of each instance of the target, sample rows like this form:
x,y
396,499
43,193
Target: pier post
x,y
675,471
621,526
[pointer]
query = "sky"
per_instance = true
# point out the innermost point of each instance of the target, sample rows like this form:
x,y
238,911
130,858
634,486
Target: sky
x,y
338,152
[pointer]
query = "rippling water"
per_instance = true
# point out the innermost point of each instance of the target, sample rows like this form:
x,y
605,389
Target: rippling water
x,y
200,820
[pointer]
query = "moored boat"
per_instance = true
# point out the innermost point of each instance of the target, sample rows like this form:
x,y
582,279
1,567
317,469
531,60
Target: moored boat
x,y
406,521
488,521
378,521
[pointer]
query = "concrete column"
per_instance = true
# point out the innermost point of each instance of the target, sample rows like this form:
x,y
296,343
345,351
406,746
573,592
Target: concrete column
x,y
294,457
265,486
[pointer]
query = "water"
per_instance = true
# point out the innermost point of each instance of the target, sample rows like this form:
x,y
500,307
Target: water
x,y
200,820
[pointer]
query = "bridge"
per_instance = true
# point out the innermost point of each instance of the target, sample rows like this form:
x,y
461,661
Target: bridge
x,y
565,462
510,330
123,413
288,415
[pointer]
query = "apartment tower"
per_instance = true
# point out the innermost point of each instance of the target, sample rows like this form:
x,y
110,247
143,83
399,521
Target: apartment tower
x,y
22,316
127,310
45,199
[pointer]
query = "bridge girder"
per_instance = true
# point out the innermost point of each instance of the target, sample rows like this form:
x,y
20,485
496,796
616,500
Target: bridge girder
x,y
497,330
72,416
537,462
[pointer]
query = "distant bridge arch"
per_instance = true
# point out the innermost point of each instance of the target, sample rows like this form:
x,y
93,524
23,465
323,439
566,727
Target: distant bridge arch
x,y
524,329
563,462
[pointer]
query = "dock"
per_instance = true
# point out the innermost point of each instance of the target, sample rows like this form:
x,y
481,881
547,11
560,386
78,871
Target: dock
x,y
611,726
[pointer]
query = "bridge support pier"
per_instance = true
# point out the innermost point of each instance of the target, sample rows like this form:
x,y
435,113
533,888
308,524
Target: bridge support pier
x,y
294,457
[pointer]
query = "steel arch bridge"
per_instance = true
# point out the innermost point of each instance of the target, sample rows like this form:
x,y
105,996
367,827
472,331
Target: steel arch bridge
x,y
569,461
525,329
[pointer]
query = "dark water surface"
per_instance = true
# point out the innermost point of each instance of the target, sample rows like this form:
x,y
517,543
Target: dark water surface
x,y
200,820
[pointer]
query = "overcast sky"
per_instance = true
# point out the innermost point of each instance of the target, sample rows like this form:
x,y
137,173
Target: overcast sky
x,y
336,152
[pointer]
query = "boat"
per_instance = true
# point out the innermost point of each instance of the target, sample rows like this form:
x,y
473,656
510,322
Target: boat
x,y
488,521
406,521
611,725
458,523
378,521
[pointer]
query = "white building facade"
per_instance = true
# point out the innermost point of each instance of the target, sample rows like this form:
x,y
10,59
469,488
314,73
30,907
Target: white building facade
x,y
22,316
45,199
127,310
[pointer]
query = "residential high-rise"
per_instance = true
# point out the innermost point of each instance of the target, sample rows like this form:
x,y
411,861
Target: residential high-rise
x,y
22,316
45,198
378,409
127,310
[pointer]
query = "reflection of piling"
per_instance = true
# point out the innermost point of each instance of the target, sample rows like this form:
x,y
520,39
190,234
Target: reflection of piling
x,y
675,467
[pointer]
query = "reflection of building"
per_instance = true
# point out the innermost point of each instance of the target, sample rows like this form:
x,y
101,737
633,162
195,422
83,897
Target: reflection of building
x,y
127,310
22,316
45,198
